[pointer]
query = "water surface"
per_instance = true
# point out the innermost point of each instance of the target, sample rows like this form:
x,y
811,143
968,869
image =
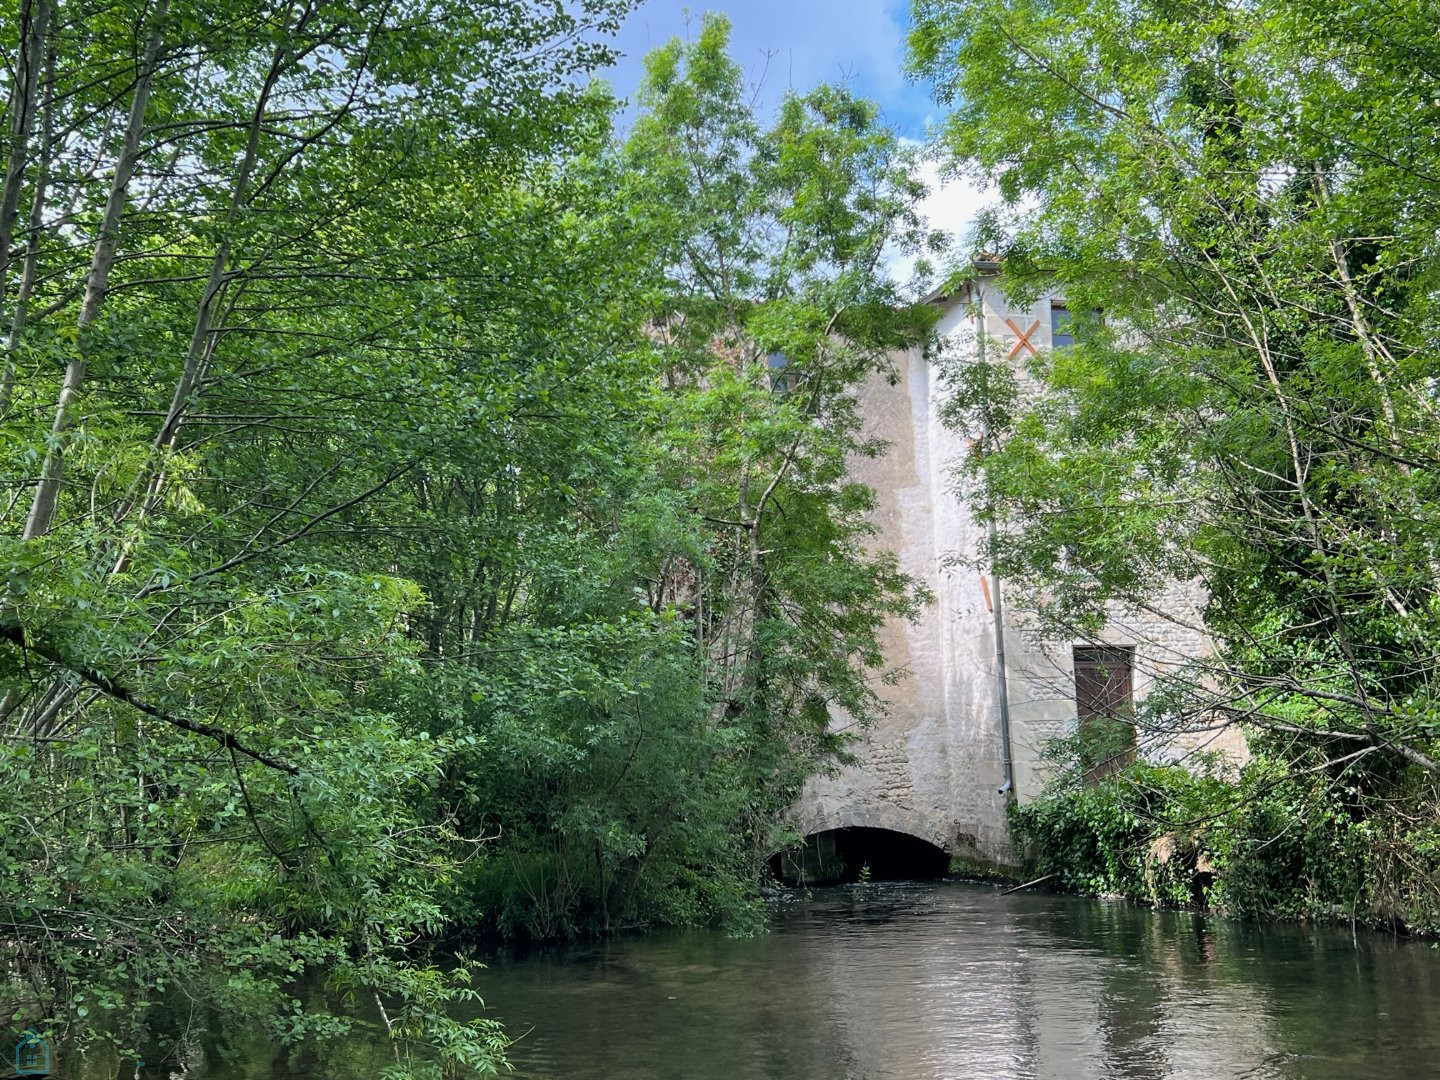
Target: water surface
x,y
950,981
942,981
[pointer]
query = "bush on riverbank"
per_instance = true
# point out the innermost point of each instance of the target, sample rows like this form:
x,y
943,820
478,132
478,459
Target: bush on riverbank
x,y
1264,840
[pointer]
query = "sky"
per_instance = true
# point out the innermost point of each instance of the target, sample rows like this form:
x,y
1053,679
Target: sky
x,y
796,43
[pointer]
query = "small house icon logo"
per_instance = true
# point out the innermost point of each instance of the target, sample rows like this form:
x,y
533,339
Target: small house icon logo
x,y
32,1055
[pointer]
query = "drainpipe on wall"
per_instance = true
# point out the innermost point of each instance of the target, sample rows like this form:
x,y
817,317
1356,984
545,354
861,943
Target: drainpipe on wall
x,y
997,607
1001,684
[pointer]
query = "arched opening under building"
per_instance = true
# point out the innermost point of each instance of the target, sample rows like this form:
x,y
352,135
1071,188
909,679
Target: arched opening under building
x,y
837,856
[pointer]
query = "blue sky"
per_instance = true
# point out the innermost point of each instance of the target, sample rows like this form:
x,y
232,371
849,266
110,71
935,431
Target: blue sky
x,y
795,43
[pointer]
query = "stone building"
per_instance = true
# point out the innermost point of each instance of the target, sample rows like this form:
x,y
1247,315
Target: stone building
x,y
961,737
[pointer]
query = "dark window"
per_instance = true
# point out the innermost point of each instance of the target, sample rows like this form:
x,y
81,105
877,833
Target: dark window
x,y
1105,708
1062,333
782,380
784,376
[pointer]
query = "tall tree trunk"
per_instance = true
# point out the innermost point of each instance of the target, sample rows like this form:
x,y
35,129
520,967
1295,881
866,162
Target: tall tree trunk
x,y
36,224
34,21
47,490
197,356
200,338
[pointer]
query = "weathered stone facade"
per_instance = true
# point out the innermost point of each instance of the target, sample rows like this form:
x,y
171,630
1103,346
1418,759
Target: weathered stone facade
x,y
934,767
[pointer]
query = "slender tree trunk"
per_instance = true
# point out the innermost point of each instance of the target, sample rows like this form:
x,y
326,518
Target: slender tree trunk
x,y
1377,357
200,337
34,21
32,238
47,490
197,356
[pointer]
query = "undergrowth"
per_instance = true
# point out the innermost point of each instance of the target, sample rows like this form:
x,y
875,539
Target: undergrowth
x,y
1265,839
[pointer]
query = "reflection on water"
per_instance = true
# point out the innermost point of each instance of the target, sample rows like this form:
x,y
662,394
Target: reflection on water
x,y
944,981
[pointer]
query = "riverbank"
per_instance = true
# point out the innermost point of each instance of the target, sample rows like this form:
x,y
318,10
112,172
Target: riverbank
x,y
923,981
1259,842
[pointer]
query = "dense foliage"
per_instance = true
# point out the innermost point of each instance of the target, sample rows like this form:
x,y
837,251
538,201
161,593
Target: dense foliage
x,y
405,531
1267,841
671,685
1245,197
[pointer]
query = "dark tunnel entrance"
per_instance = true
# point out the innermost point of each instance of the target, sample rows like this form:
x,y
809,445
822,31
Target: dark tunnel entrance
x,y
845,855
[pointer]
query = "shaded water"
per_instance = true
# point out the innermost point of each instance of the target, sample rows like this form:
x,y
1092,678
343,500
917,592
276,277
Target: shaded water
x,y
951,981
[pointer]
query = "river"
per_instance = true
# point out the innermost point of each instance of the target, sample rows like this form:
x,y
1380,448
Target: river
x,y
947,981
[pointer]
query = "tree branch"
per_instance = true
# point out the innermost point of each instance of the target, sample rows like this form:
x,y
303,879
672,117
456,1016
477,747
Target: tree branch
x,y
102,682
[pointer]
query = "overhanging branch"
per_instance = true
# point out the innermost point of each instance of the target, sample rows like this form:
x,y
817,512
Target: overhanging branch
x,y
108,686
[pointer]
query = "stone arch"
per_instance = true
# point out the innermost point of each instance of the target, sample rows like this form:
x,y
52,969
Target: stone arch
x,y
889,841
933,829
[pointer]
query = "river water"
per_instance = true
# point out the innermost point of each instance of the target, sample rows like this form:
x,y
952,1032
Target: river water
x,y
950,981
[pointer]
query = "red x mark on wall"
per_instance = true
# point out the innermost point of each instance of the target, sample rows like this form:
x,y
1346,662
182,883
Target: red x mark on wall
x,y
1023,337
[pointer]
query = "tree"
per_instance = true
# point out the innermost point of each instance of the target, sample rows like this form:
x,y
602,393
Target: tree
x,y
266,255
777,309
1244,192
712,601
382,559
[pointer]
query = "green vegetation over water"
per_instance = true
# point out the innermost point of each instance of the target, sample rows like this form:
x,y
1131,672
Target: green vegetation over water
x,y
426,515
1239,203
1261,841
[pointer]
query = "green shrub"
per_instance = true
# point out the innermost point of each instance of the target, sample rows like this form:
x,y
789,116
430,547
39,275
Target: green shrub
x,y
1268,841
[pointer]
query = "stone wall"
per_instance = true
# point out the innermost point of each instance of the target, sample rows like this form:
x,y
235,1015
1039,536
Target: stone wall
x,y
933,766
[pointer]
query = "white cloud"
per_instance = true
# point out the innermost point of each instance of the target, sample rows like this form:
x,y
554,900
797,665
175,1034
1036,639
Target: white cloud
x,y
950,207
